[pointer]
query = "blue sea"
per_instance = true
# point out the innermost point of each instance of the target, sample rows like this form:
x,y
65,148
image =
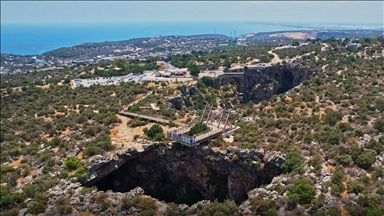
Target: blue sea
x,y
33,39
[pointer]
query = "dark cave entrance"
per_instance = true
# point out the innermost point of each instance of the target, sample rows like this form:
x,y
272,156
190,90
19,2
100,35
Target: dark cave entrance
x,y
167,179
286,81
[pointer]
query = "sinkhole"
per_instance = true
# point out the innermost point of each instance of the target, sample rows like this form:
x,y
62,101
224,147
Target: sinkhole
x,y
286,81
187,176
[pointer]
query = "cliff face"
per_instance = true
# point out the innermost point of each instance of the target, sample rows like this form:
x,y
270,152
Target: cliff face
x,y
167,173
178,102
262,83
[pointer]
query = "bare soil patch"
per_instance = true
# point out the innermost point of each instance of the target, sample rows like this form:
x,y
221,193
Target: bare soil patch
x,y
331,167
295,35
139,96
15,162
122,135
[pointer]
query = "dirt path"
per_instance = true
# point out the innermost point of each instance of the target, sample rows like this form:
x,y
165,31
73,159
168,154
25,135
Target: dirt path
x,y
344,211
276,58
122,135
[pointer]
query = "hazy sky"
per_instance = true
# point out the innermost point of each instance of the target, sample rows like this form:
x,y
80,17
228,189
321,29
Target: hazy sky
x,y
124,11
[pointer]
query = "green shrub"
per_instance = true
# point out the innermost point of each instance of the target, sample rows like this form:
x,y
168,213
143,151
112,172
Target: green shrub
x,y
105,205
30,190
331,117
36,208
136,123
333,211
379,125
140,202
99,145
264,207
148,212
304,191
86,190
343,127
375,145
156,131
293,163
12,212
368,200
378,173
344,159
172,210
198,128
366,159
9,199
356,187
215,208
81,174
71,163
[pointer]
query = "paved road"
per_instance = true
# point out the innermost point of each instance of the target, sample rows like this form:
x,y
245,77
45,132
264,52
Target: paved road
x,y
156,119
169,66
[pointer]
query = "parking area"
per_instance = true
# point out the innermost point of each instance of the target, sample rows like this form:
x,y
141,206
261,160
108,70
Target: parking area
x,y
146,76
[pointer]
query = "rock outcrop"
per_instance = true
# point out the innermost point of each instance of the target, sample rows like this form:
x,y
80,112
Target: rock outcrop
x,y
262,83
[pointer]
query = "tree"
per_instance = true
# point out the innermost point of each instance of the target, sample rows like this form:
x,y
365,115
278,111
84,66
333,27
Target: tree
x,y
227,63
194,70
292,162
155,132
375,145
9,90
198,128
379,125
121,63
295,43
72,163
366,159
356,187
304,192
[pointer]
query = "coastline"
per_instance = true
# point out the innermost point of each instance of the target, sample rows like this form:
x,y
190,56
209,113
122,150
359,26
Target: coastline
x,y
27,39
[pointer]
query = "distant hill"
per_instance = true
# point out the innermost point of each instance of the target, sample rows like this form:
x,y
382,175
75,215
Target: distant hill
x,y
168,45
212,36
312,34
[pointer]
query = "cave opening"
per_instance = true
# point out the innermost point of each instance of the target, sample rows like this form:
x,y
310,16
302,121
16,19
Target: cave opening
x,y
286,81
184,177
167,179
155,178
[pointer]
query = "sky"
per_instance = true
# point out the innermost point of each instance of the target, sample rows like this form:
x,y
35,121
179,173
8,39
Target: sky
x,y
149,11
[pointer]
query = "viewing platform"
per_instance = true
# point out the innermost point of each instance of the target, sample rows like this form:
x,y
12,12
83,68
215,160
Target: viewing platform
x,y
216,128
